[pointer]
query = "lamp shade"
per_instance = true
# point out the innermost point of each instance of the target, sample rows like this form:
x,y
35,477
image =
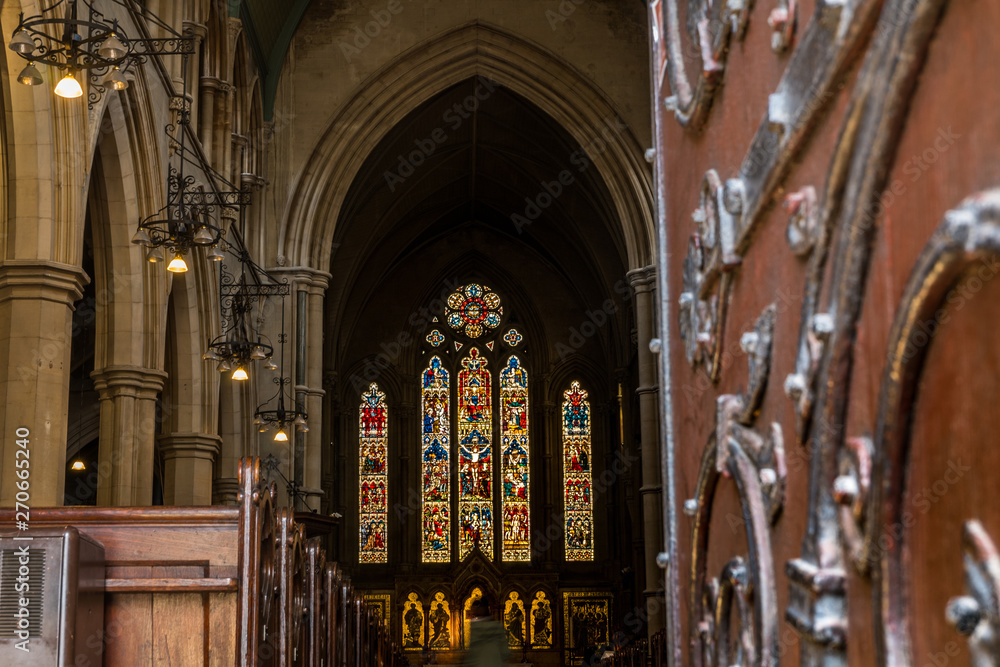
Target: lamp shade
x,y
203,236
21,43
177,264
112,48
68,87
115,81
140,237
30,76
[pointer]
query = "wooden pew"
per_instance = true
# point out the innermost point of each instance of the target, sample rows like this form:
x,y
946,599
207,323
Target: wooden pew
x,y
223,586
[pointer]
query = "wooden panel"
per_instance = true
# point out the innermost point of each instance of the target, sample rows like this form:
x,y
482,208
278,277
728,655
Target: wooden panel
x,y
178,629
859,197
222,629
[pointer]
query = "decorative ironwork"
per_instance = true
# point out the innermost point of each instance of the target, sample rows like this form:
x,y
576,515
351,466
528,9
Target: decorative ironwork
x,y
271,464
280,417
83,39
243,300
976,615
708,267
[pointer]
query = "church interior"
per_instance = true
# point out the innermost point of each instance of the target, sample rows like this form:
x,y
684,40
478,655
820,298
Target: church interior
x,y
646,332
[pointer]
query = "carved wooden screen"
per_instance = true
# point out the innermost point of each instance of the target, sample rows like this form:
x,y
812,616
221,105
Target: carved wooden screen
x,y
827,329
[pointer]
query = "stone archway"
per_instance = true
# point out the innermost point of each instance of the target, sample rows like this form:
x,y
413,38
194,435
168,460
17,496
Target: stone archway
x,y
421,73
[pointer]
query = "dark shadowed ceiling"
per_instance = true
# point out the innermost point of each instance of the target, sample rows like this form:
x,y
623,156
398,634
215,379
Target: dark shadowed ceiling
x,y
450,195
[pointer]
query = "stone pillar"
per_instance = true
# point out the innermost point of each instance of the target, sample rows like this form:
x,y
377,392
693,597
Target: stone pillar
x,y
36,322
313,392
304,368
188,459
643,282
235,440
553,522
206,115
128,428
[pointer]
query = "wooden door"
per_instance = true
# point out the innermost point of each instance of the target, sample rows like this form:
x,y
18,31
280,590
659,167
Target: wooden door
x,y
829,190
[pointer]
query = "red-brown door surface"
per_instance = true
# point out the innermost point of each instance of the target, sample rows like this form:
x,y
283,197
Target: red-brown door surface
x,y
829,192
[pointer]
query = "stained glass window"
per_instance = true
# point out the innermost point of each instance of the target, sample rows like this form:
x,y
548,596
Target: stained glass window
x,y
439,623
514,452
435,338
413,623
435,468
513,338
373,464
541,621
513,620
473,310
475,460
577,475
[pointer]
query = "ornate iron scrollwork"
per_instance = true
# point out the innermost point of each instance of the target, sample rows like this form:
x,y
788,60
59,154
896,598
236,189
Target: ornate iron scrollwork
x,y
977,615
757,346
817,605
746,582
707,281
712,25
968,235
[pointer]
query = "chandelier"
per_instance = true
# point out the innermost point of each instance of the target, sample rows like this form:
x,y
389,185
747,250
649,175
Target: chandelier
x,y
189,218
243,299
280,418
74,37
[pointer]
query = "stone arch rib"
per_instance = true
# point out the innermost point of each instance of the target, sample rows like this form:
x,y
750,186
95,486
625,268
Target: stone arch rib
x,y
417,75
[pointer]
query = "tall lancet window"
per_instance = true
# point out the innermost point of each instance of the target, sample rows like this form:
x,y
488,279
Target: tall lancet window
x,y
435,469
374,479
577,475
475,460
514,452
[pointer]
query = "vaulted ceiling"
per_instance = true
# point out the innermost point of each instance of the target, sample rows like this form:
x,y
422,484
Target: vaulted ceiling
x,y
468,187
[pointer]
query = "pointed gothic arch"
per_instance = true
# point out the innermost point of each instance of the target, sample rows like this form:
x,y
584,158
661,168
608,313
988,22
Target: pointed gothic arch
x,y
418,75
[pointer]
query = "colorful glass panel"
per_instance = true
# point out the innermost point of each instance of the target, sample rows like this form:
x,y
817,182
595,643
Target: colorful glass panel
x,y
513,338
475,460
514,449
473,310
541,621
413,623
513,620
577,474
435,338
374,478
435,464
439,624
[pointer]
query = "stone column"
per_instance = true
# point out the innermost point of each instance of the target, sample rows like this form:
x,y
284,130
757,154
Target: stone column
x,y
128,428
36,322
188,459
643,282
313,392
550,492
304,368
206,115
